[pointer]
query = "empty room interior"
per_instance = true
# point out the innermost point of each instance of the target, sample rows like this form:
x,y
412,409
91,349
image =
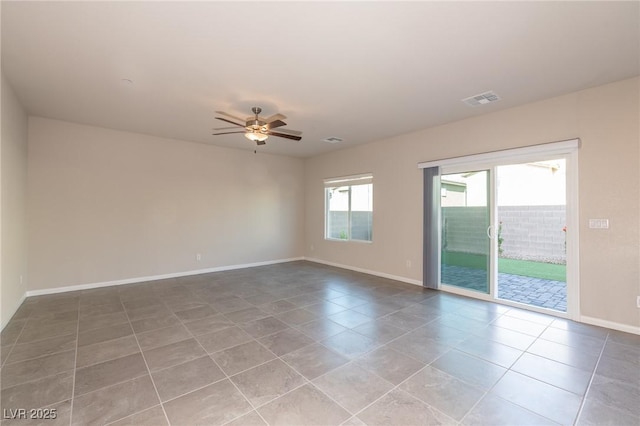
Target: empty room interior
x,y
320,213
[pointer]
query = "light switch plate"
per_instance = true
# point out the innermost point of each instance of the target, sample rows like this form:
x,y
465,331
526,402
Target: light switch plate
x,y
599,223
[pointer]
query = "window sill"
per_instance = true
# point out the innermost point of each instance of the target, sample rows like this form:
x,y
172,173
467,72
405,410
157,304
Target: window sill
x,y
348,241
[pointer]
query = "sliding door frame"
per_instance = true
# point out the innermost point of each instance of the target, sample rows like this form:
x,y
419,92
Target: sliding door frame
x,y
474,168
564,149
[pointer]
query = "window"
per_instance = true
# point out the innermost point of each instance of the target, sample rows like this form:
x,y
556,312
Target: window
x,y
349,208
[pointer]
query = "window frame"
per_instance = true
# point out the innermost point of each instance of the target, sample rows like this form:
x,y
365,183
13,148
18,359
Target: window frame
x,y
349,182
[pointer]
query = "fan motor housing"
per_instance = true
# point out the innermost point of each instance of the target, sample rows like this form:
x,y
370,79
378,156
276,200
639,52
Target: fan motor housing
x,y
255,125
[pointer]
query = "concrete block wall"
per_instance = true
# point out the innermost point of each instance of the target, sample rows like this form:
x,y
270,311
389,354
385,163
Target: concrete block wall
x,y
360,224
533,232
464,229
528,232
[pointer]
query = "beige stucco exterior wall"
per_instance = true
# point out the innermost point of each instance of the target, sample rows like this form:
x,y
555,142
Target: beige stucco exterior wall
x,y
605,118
106,205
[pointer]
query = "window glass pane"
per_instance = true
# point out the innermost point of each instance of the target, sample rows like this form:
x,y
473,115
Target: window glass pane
x,y
361,212
465,221
338,212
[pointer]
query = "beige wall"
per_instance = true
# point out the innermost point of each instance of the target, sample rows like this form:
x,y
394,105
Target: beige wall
x,y
106,205
13,243
606,119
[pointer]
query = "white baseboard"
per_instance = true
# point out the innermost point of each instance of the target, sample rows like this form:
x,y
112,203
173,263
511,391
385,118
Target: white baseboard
x,y
155,277
366,271
14,310
610,324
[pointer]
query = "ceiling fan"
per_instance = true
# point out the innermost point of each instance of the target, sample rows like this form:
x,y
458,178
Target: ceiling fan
x,y
258,129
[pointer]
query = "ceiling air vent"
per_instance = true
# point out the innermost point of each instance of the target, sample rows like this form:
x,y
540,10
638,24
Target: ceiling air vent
x,y
332,139
482,99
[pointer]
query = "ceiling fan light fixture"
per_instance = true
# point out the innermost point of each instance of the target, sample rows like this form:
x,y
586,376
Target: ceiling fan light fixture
x,y
256,136
258,129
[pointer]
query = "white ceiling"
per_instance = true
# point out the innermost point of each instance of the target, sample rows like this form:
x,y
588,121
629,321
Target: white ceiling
x,y
361,71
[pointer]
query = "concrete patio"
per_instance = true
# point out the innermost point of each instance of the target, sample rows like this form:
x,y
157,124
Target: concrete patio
x,y
539,292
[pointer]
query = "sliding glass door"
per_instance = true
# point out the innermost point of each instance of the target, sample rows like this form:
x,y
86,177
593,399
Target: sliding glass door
x,y
503,230
531,201
465,244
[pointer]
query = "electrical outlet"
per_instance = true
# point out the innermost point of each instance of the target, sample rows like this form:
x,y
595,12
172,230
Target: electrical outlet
x,y
312,247
408,263
638,301
21,279
198,257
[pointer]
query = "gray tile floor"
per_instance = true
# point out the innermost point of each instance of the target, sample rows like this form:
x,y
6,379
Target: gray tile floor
x,y
302,343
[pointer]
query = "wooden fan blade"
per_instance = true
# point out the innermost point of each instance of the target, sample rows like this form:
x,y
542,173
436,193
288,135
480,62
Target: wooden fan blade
x,y
291,132
226,133
282,135
231,116
275,117
229,121
274,124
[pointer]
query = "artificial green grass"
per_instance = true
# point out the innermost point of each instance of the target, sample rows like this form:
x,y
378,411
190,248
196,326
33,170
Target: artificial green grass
x,y
468,260
547,271
527,268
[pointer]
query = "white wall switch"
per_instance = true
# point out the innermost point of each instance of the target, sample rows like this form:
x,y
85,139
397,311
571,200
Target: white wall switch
x,y
599,223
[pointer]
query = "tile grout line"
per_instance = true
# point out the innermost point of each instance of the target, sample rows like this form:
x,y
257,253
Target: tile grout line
x,y
227,377
593,375
514,363
350,361
39,356
43,377
278,357
75,361
4,363
254,408
133,414
450,348
540,338
397,387
145,362
486,392
148,372
494,385
306,382
15,342
509,369
377,347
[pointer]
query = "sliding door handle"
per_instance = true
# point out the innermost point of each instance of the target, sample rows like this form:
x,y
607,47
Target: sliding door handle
x,y
490,232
